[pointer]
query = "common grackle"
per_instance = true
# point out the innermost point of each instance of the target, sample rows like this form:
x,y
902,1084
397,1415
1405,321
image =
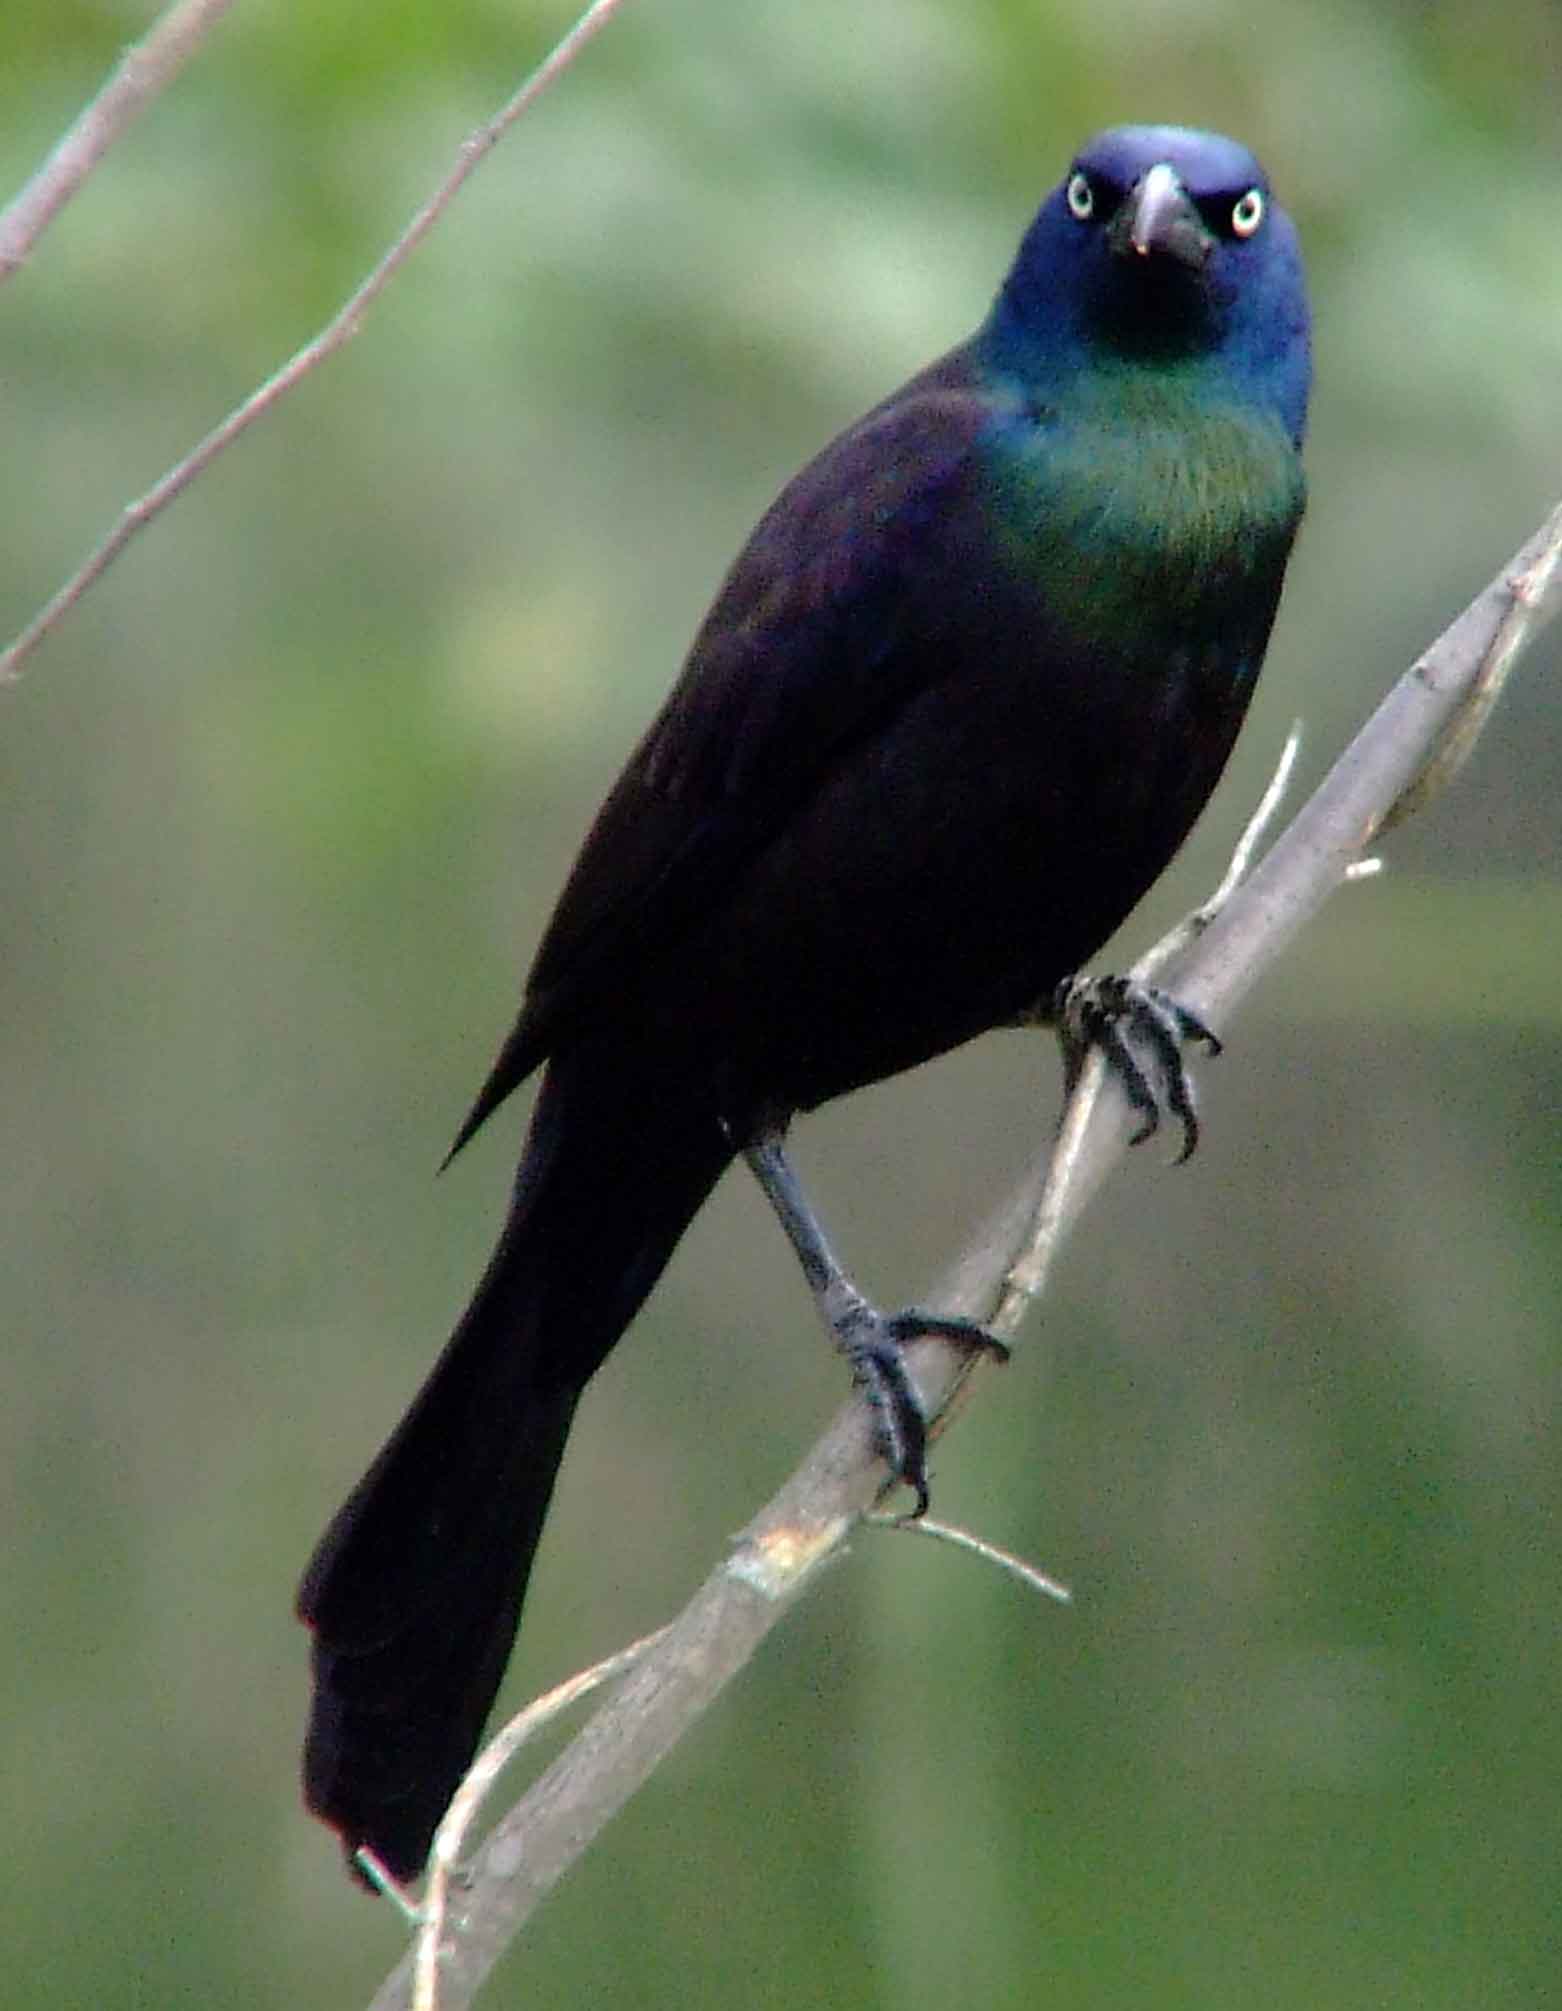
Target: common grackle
x,y
954,708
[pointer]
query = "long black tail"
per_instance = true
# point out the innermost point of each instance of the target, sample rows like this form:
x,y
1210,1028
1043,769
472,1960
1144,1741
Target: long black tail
x,y
415,1589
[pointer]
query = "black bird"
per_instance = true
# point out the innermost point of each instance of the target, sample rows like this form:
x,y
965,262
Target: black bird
x,y
954,708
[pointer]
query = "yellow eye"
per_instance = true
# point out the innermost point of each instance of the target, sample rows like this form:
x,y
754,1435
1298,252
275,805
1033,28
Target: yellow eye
x,y
1248,213
1080,197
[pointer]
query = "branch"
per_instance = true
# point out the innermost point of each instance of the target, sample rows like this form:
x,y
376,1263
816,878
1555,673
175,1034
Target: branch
x,y
1407,750
145,69
334,336
1027,1573
496,1755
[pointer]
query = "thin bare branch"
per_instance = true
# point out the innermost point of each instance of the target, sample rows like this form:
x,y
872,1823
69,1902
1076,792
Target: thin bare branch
x,y
387,1885
1424,729
1027,1276
1530,589
804,1528
1246,846
334,336
146,68
469,1797
978,1546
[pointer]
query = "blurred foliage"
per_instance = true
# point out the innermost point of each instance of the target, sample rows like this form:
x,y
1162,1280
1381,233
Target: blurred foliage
x,y
287,801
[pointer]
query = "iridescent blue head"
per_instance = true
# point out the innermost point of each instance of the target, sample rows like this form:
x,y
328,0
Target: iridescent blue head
x,y
1161,245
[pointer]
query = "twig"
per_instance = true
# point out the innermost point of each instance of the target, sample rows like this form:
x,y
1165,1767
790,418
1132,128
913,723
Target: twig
x,y
990,1553
480,1778
145,69
1028,1275
1241,858
1530,588
334,336
1424,729
804,1527
387,1885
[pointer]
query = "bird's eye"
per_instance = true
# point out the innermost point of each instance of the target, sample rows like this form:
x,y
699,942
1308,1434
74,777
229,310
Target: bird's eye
x,y
1247,213
1080,197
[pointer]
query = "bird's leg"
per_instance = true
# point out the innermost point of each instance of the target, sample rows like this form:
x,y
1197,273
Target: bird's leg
x,y
1140,1031
873,1342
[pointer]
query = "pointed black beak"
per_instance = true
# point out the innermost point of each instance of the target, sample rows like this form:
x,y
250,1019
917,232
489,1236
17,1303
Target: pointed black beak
x,y
1157,216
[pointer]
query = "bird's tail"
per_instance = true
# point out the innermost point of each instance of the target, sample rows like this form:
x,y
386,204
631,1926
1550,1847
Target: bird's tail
x,y
415,1589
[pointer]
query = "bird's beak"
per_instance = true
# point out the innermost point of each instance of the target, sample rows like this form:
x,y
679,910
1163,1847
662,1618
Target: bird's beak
x,y
1158,216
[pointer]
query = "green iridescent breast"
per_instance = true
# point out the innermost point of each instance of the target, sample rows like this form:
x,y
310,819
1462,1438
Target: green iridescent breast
x,y
1150,513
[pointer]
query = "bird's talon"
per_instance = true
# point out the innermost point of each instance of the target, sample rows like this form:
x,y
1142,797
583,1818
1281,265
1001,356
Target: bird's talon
x,y
917,1324
1118,1015
875,1344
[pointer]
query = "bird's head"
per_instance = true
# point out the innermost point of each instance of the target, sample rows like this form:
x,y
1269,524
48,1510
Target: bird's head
x,y
1160,243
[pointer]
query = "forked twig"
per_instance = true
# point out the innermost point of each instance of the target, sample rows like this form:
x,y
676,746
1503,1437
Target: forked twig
x,y
480,1777
1530,588
1027,1276
1412,746
337,332
990,1553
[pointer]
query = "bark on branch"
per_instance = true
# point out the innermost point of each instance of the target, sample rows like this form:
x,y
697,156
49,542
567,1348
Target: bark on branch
x,y
146,68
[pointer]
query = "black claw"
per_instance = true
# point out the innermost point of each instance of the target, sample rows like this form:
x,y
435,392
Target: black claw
x,y
1109,1037
1116,1015
916,1323
875,1343
878,1368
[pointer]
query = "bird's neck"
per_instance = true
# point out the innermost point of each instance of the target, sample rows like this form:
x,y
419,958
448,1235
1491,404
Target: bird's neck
x,y
1131,486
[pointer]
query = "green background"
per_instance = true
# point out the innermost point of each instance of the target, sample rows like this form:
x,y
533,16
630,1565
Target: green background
x,y
285,805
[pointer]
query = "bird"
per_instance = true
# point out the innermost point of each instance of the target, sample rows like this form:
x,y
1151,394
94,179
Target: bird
x,y
953,709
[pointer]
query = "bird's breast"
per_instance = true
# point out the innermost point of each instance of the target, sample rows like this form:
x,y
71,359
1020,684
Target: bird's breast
x,y
1153,525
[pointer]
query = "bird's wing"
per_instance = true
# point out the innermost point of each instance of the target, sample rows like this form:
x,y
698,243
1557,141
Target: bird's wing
x,y
802,657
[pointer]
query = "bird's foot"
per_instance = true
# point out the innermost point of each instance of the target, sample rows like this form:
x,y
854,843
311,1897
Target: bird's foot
x,y
875,1343
1140,1031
